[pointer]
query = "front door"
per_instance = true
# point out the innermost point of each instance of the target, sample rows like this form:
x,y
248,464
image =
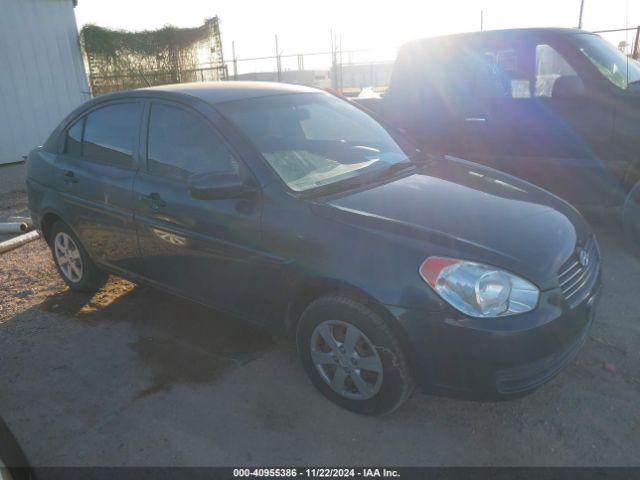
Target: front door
x,y
537,119
95,174
202,249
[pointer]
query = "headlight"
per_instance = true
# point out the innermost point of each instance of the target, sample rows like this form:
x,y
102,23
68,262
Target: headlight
x,y
479,290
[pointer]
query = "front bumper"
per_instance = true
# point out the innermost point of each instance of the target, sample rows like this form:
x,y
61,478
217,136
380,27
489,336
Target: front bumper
x,y
489,359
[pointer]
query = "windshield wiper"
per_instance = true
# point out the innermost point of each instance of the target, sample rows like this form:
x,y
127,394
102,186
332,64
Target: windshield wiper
x,y
411,162
368,177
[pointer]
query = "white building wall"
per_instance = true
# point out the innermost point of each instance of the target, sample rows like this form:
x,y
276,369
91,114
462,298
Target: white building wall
x,y
42,75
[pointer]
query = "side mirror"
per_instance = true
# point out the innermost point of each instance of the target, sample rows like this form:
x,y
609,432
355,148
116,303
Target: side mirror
x,y
568,86
217,186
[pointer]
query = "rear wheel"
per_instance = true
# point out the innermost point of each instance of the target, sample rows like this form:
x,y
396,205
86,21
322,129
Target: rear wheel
x,y
631,217
72,261
352,356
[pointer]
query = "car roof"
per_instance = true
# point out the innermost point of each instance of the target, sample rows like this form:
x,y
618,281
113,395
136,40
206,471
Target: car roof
x,y
209,92
505,33
227,91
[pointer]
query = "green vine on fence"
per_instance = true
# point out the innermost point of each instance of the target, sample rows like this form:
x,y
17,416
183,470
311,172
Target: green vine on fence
x,y
112,43
120,59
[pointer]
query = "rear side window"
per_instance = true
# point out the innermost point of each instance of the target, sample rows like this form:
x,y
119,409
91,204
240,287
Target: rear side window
x,y
110,134
73,141
181,144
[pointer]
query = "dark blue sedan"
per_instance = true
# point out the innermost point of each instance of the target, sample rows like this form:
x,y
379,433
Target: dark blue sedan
x,y
297,211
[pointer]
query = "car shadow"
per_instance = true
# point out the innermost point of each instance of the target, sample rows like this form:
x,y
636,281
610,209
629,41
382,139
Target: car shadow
x,y
179,341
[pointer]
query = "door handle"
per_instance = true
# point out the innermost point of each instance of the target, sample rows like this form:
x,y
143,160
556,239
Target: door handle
x,y
70,177
476,119
155,200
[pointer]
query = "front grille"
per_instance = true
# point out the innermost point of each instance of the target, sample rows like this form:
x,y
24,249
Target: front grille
x,y
574,278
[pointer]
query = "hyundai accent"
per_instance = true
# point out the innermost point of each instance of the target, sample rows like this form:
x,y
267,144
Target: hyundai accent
x,y
297,211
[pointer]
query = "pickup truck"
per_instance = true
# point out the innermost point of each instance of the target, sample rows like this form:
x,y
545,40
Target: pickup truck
x,y
557,107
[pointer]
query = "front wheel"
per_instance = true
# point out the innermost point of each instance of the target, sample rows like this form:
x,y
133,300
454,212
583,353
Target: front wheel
x,y
352,356
631,217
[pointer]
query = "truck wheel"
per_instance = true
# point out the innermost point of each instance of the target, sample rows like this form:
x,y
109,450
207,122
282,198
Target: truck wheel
x,y
72,261
631,217
352,357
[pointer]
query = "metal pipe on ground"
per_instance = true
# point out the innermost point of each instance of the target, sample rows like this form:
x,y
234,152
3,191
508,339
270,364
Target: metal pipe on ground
x,y
19,219
16,242
14,227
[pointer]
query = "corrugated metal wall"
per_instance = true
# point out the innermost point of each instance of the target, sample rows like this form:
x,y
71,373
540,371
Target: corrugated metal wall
x,y
41,72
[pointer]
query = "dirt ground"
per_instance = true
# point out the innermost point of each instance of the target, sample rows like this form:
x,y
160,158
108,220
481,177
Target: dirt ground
x,y
132,376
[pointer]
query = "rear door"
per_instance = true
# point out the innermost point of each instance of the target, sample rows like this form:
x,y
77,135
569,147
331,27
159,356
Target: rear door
x,y
202,249
95,175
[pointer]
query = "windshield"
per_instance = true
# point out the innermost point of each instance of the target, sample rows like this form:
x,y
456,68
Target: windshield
x,y
613,64
314,139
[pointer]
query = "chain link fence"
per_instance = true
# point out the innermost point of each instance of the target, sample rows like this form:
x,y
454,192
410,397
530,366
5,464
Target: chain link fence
x,y
627,40
348,71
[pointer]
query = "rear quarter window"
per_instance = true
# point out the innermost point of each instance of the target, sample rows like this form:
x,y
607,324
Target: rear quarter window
x,y
73,139
111,133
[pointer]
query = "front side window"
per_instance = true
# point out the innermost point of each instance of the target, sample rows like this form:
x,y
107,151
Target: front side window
x,y
518,70
550,66
181,144
111,133
314,139
502,71
619,69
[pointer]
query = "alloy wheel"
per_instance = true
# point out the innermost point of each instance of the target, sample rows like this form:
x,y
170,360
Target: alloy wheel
x,y
68,257
346,360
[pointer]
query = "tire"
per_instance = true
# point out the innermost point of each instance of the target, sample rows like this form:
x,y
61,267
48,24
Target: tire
x,y
72,261
372,377
631,218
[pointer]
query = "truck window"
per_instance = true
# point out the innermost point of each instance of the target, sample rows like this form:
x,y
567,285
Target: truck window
x,y
610,62
550,66
502,72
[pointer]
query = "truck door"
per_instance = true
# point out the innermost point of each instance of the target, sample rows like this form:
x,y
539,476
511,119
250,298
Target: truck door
x,y
537,119
619,76
425,96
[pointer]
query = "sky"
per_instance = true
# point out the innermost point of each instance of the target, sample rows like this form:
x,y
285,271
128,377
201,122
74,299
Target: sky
x,y
304,26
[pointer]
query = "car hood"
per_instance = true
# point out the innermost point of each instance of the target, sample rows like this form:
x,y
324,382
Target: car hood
x,y
473,212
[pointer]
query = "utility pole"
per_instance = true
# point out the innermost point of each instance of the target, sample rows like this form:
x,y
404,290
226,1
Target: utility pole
x,y
278,65
581,10
334,60
341,77
235,60
481,20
